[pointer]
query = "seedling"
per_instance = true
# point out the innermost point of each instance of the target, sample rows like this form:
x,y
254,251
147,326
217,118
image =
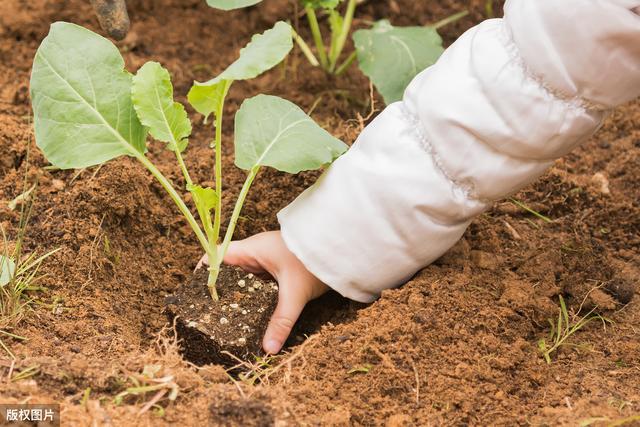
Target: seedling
x,y
392,56
89,110
339,25
563,329
328,55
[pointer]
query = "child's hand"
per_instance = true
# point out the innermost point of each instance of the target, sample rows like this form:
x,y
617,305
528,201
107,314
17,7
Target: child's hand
x,y
267,253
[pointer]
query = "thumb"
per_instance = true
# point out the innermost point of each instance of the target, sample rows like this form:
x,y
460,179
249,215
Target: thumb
x,y
290,304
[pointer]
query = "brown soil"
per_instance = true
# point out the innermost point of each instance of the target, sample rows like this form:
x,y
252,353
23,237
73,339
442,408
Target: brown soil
x,y
234,324
457,345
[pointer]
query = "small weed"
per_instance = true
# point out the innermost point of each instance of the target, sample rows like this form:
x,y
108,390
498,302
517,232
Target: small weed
x,y
259,371
253,373
364,369
531,211
146,383
625,421
19,273
617,403
24,374
632,420
563,329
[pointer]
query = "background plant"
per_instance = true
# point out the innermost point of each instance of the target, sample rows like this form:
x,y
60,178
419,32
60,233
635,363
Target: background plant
x,y
563,329
390,56
88,110
19,272
328,54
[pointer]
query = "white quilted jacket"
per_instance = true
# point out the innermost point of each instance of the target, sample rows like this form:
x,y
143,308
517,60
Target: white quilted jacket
x,y
505,100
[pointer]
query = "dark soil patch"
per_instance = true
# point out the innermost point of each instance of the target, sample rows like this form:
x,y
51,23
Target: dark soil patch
x,y
234,324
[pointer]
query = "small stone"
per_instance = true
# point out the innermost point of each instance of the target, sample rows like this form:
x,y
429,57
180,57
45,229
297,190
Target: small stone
x,y
192,324
223,308
242,340
260,310
257,285
244,311
57,184
241,283
234,306
224,320
601,181
192,306
485,260
251,289
274,286
250,276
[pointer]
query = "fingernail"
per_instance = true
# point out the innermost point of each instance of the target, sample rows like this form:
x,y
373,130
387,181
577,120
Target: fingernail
x,y
272,346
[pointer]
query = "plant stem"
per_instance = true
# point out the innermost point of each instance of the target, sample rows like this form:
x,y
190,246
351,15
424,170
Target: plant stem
x,y
317,36
344,33
218,167
183,167
176,199
236,213
346,64
306,50
333,16
213,238
450,19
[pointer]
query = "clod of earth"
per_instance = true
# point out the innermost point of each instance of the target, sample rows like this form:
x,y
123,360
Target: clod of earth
x,y
223,330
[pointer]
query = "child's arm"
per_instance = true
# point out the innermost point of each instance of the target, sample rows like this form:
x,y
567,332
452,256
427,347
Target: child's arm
x,y
505,100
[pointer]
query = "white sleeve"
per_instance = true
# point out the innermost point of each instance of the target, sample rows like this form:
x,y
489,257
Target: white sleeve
x,y
505,100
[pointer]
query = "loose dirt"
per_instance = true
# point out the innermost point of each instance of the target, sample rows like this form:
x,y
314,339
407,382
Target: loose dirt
x,y
457,345
226,331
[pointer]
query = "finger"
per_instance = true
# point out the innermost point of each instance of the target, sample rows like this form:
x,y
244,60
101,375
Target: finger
x,y
247,254
203,261
287,312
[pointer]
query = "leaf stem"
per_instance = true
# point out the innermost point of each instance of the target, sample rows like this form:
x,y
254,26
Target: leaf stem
x,y
333,17
346,64
236,213
306,50
317,36
183,167
176,199
344,33
218,164
449,20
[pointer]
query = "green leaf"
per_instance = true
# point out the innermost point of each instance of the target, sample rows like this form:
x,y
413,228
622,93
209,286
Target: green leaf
x,y
272,131
152,95
392,56
7,270
81,96
264,52
205,99
231,4
204,198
